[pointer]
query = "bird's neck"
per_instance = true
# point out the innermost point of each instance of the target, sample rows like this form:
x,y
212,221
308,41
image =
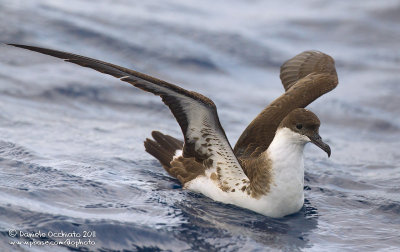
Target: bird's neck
x,y
286,155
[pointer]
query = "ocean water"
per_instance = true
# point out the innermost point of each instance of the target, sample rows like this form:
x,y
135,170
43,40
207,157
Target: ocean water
x,y
72,163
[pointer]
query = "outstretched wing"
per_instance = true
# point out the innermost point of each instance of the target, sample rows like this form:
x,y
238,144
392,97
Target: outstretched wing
x,y
305,77
305,63
205,140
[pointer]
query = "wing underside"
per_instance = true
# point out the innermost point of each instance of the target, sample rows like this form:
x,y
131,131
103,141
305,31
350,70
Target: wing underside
x,y
205,141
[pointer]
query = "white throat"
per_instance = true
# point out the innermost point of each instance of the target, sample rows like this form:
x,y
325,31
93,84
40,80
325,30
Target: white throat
x,y
287,145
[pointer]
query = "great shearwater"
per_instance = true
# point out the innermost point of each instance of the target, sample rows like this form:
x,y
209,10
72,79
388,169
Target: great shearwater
x,y
264,172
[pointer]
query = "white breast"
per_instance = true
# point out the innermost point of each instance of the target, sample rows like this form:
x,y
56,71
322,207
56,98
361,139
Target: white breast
x,y
286,154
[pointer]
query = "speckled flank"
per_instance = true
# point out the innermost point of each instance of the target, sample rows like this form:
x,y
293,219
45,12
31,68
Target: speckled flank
x,y
186,169
219,158
258,170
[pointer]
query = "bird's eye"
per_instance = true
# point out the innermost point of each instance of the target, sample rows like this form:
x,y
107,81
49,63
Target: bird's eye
x,y
299,126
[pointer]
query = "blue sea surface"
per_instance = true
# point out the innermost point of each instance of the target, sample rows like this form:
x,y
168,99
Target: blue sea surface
x,y
74,175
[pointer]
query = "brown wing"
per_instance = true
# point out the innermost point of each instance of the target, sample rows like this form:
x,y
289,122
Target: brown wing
x,y
305,77
303,64
205,140
177,99
137,79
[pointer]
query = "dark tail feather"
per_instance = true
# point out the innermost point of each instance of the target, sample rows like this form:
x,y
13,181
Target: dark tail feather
x,y
163,147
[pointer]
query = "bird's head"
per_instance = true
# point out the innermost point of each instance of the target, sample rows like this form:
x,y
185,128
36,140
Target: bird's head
x,y
304,125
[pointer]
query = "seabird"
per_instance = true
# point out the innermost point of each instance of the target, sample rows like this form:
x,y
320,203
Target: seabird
x,y
264,172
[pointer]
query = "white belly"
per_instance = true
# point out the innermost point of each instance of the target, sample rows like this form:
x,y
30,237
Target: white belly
x,y
285,195
284,198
